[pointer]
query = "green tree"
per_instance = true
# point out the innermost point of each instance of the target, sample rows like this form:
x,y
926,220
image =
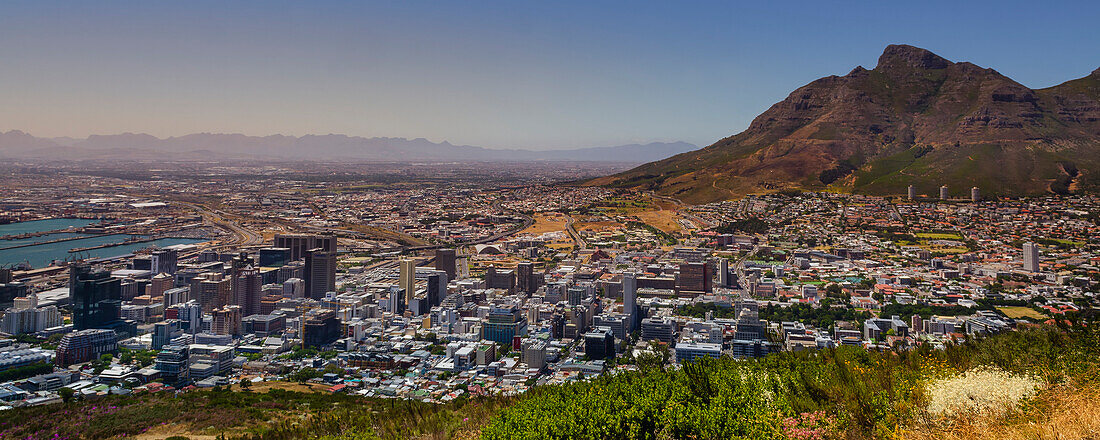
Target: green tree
x,y
334,369
654,357
145,357
66,394
305,375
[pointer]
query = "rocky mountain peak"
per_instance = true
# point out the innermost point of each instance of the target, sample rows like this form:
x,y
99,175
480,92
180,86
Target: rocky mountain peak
x,y
906,56
916,119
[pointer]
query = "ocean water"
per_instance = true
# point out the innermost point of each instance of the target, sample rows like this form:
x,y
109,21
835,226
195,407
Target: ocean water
x,y
42,225
41,255
40,239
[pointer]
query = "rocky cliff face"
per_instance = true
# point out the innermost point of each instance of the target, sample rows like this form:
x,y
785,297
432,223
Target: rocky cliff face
x,y
916,118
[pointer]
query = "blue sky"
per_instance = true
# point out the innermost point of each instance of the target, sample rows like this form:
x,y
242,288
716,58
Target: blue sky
x,y
497,74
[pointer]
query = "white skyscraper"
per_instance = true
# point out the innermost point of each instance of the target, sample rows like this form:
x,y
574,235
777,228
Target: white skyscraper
x,y
723,272
912,193
1031,257
407,281
943,192
975,195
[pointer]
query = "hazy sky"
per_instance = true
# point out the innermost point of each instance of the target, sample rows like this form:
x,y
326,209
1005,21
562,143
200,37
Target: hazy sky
x,y
498,74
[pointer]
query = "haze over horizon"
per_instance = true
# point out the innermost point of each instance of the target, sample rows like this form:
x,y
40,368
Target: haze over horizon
x,y
494,74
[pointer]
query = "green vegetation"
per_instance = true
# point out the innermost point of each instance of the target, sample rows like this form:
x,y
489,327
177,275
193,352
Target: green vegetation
x,y
700,310
846,392
104,361
304,375
822,317
1059,243
831,175
665,237
244,415
905,311
25,371
751,225
144,358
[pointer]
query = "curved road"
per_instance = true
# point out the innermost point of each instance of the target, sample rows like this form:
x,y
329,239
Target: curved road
x,y
581,244
241,236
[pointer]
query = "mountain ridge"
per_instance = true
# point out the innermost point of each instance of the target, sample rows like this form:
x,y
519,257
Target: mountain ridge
x,y
16,144
916,118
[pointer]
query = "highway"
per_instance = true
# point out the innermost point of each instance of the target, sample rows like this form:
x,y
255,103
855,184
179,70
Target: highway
x,y
739,268
241,236
581,244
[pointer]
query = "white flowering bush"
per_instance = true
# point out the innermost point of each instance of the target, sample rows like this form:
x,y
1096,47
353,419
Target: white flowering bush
x,y
986,390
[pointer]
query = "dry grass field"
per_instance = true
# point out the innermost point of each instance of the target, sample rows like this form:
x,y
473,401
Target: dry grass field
x,y
597,226
1062,413
665,220
544,223
1021,312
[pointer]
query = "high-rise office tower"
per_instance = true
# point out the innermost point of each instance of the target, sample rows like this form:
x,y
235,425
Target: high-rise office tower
x,y
164,261
300,244
213,290
173,363
912,193
723,272
294,288
84,345
292,270
525,277
695,277
176,295
96,297
500,279
407,279
190,316
445,261
630,297
320,328
320,272
576,295
943,192
226,321
164,331
274,257
159,284
975,195
248,289
503,324
437,287
599,343
1031,257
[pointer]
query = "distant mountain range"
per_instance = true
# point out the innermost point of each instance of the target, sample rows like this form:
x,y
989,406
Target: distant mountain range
x,y
916,118
332,147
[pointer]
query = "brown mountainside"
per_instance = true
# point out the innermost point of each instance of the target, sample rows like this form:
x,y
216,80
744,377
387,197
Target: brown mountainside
x,y
916,118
